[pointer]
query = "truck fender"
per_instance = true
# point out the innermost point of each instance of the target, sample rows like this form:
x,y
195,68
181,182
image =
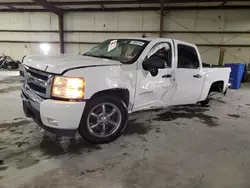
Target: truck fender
x,y
122,93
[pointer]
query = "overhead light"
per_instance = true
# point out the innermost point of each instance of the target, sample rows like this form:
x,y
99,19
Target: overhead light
x,y
45,47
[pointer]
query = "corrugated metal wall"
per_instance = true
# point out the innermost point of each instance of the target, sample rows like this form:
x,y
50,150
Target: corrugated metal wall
x,y
15,27
21,33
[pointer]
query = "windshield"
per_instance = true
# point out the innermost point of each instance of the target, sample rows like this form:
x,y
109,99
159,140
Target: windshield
x,y
123,50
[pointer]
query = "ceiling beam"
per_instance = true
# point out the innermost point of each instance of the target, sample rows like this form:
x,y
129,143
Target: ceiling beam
x,y
17,3
169,8
12,8
105,2
202,1
48,6
137,2
56,3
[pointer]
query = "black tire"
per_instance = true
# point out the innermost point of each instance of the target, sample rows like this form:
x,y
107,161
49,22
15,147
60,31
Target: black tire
x,y
91,104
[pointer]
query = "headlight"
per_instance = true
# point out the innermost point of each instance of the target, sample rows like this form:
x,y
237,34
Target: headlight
x,y
68,87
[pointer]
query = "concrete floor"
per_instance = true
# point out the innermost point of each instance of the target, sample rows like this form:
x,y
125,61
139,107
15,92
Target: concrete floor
x,y
185,147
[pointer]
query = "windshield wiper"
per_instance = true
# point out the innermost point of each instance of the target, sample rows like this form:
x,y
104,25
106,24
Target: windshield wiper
x,y
105,57
99,56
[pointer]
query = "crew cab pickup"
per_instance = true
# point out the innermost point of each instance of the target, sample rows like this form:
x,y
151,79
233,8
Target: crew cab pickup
x,y
94,92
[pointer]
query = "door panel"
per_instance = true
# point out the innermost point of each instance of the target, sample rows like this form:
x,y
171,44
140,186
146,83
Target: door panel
x,y
153,91
188,88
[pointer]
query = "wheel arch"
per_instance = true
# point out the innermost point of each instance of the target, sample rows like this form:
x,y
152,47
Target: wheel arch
x,y
97,98
122,93
217,86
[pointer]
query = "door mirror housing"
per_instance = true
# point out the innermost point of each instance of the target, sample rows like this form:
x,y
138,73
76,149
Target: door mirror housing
x,y
154,63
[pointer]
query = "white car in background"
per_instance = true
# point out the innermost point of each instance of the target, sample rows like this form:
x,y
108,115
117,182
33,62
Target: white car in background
x,y
94,92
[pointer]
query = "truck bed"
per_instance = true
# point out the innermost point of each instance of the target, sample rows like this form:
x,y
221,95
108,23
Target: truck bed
x,y
217,74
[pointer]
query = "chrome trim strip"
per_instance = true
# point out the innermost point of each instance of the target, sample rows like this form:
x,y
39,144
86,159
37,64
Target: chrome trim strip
x,y
46,84
49,86
33,99
37,81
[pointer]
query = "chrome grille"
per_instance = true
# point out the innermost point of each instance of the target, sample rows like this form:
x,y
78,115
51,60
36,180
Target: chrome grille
x,y
38,82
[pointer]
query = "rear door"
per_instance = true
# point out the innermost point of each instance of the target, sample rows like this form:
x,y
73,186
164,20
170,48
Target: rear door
x,y
189,75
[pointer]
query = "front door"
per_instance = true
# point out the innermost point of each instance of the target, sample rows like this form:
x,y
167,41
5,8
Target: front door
x,y
188,75
153,91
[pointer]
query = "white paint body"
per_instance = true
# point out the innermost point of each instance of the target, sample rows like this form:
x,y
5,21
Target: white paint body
x,y
145,91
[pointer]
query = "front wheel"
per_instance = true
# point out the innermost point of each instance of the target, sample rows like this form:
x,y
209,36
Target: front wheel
x,y
103,119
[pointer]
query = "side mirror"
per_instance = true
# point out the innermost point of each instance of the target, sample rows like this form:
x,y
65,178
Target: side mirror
x,y
154,63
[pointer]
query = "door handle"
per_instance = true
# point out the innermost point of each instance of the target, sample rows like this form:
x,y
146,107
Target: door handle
x,y
167,76
197,76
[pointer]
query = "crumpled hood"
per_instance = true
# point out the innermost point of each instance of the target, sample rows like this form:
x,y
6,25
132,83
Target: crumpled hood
x,y
60,63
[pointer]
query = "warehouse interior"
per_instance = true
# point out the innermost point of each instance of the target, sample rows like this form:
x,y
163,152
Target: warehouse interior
x,y
212,25
189,146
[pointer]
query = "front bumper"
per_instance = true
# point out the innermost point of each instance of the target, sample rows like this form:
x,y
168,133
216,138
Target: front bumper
x,y
58,117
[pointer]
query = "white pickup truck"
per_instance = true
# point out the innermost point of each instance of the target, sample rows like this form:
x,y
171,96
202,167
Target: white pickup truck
x,y
94,92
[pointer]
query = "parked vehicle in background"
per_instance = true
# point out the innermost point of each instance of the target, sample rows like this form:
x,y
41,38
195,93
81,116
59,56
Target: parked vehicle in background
x,y
94,92
6,62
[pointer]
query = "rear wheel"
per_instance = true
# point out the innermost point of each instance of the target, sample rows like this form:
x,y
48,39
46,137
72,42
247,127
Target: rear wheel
x,y
103,119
